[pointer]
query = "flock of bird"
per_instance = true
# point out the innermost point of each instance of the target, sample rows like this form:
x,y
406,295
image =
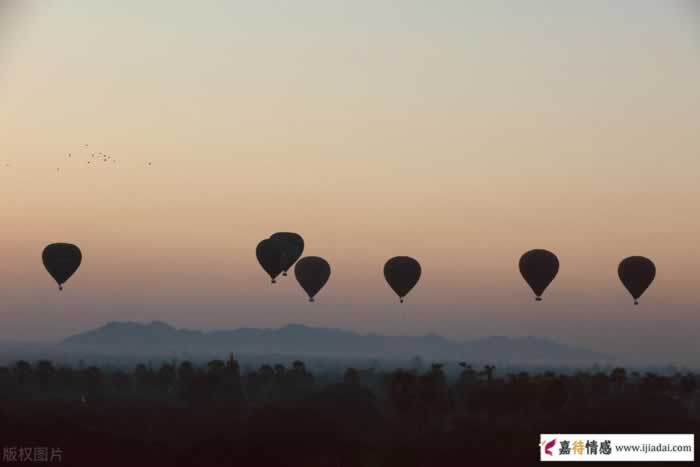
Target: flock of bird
x,y
94,158
283,250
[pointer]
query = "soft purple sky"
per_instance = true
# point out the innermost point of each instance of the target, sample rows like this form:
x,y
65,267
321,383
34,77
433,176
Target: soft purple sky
x,y
460,133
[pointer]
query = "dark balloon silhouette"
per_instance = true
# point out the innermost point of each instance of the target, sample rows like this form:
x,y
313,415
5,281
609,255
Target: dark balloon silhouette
x,y
312,273
270,253
402,274
61,260
636,273
539,268
294,250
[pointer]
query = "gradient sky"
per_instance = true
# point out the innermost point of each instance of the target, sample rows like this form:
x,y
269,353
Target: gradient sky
x,y
460,133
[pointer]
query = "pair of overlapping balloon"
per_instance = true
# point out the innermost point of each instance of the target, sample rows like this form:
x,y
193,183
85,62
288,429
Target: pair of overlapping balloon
x,y
281,251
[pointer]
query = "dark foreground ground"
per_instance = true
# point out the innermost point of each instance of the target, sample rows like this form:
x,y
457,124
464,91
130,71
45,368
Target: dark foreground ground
x,y
181,415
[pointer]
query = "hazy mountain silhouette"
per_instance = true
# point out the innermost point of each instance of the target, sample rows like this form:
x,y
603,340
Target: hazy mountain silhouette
x,y
294,339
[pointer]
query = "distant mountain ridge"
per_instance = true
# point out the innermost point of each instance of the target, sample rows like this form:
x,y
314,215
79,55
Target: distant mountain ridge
x,y
296,339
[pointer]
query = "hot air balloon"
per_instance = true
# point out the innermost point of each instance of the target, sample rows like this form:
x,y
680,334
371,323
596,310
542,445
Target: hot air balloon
x,y
402,273
294,250
312,273
636,273
61,260
539,268
270,253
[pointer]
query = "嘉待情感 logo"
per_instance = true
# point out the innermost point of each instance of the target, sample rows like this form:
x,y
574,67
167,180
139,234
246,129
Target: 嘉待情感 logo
x,y
548,445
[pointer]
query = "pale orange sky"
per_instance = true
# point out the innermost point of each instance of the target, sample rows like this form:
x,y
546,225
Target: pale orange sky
x,y
462,135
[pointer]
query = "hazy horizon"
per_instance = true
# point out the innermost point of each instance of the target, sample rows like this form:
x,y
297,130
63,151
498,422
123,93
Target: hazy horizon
x,y
462,135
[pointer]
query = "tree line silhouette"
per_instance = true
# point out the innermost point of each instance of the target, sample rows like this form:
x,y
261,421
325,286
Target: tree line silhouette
x,y
285,415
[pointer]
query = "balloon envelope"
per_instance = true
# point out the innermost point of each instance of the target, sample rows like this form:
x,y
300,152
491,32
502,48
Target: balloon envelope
x,y
269,253
636,273
402,274
312,273
294,248
539,268
61,260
